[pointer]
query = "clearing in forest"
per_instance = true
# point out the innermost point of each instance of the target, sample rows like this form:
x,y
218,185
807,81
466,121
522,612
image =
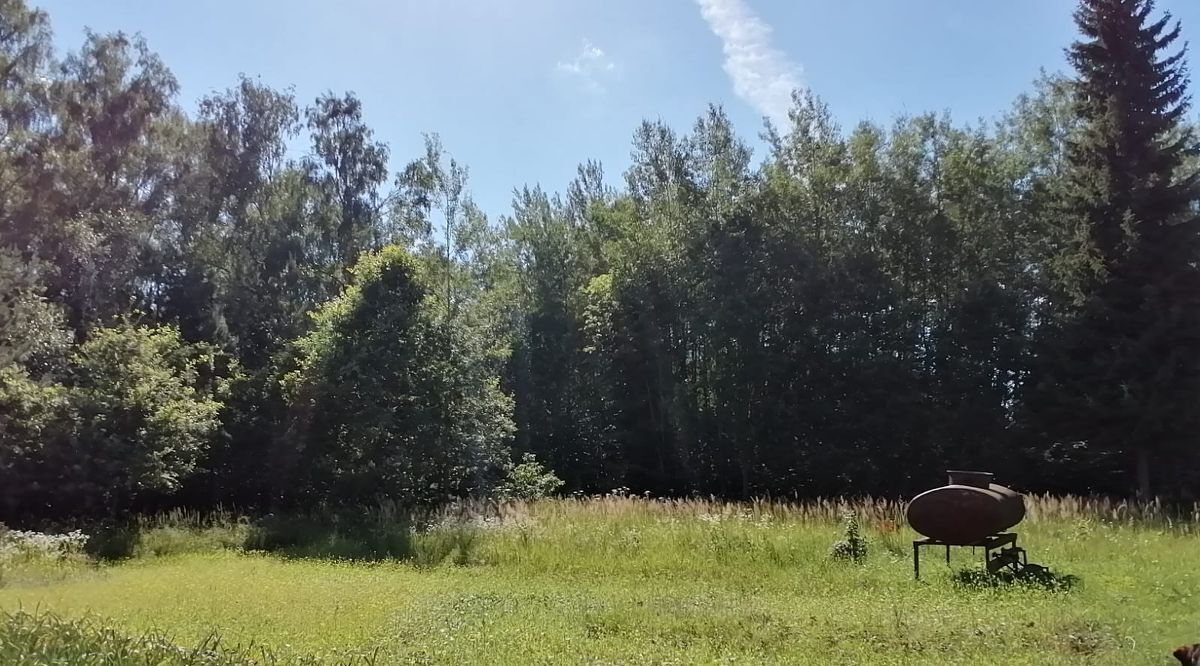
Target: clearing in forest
x,y
620,580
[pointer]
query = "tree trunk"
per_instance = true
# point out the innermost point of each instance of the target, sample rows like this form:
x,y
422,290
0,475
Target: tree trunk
x,y
1143,474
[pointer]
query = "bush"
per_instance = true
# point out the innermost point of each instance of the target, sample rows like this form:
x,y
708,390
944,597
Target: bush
x,y
852,547
143,420
34,422
114,541
528,480
134,414
173,533
392,397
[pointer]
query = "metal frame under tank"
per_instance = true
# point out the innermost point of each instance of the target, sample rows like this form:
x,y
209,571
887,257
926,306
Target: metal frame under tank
x,y
999,551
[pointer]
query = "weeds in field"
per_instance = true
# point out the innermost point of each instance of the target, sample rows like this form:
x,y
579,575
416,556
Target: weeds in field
x,y
28,639
171,533
890,538
454,534
27,556
17,545
628,579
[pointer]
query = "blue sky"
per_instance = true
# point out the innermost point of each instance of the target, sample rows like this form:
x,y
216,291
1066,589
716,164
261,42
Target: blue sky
x,y
521,91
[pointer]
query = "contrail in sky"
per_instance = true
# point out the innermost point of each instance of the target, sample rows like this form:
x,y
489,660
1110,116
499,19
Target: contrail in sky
x,y
762,75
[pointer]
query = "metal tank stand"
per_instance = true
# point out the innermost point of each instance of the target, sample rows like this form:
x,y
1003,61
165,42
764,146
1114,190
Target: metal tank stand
x,y
999,551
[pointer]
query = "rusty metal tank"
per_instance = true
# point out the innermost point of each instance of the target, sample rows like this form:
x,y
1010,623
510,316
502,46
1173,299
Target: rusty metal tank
x,y
967,510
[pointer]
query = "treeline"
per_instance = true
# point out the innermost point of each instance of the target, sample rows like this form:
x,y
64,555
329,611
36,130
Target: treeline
x,y
191,315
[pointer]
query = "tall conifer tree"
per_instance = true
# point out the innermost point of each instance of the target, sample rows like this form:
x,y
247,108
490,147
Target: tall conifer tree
x,y
1124,380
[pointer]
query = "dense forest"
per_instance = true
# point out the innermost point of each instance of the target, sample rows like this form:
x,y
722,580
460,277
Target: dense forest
x,y
191,314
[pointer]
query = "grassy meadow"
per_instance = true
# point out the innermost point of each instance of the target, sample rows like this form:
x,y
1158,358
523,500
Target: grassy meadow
x,y
612,580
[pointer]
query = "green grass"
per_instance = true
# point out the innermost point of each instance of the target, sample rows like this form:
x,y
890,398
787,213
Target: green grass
x,y
38,639
627,581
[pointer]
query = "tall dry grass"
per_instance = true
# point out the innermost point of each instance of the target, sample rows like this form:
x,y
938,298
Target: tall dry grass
x,y
451,533
878,513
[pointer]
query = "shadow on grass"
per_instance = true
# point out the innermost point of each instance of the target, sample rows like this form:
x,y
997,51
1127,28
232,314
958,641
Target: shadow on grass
x,y
1027,576
368,535
363,538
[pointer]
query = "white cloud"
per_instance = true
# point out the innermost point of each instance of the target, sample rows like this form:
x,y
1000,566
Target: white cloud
x,y
590,65
761,74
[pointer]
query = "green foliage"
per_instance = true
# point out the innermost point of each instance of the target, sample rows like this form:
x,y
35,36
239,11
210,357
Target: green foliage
x,y
450,542
528,480
370,534
1116,381
852,547
843,314
25,51
143,412
349,168
34,421
134,415
33,334
394,400
88,170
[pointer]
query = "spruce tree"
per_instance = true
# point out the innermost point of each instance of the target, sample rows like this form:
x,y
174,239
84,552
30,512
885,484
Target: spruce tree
x,y
1121,382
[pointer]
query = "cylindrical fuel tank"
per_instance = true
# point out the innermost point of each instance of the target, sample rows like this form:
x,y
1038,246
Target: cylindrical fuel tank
x,y
967,510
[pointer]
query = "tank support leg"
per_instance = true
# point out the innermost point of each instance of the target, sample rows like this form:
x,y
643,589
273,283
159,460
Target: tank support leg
x,y
947,554
916,561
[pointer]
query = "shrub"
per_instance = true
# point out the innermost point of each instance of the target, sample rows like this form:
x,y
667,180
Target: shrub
x,y
114,541
172,533
852,547
134,414
392,397
384,533
528,480
143,421
34,422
